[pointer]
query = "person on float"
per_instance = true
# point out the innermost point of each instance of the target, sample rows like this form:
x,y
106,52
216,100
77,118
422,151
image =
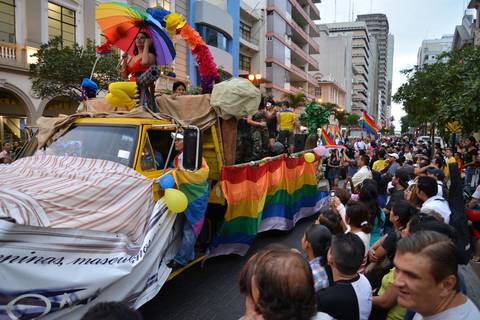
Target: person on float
x,y
121,94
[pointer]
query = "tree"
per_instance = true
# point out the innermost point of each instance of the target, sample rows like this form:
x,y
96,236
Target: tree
x,y
295,100
350,120
446,91
60,70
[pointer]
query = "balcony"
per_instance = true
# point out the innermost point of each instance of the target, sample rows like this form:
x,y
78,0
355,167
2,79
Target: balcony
x,y
296,50
305,36
315,32
14,56
314,12
249,42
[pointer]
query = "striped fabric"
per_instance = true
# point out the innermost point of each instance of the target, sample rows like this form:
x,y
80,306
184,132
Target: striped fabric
x,y
78,193
195,186
270,195
369,125
326,139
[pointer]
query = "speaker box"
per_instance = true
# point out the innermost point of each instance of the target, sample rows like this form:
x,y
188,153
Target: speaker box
x,y
299,142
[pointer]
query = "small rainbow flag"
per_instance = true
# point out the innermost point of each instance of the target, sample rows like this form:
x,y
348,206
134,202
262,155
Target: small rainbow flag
x,y
195,186
369,125
326,139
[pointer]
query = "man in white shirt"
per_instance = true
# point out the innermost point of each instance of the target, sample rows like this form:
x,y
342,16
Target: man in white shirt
x,y
363,171
360,145
427,278
427,190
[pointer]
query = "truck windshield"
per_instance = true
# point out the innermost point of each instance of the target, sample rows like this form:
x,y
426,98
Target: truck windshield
x,y
106,142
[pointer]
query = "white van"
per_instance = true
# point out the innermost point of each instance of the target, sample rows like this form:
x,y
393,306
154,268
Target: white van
x,y
425,139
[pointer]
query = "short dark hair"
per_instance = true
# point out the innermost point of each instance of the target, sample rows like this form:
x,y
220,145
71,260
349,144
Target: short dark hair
x,y
365,159
285,284
348,251
111,311
437,248
404,210
177,84
332,220
382,153
319,238
428,185
472,139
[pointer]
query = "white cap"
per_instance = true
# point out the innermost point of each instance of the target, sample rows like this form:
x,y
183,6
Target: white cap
x,y
178,136
395,155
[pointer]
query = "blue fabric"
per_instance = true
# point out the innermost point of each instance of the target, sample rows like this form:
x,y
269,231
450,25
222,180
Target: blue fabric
x,y
468,180
377,228
187,248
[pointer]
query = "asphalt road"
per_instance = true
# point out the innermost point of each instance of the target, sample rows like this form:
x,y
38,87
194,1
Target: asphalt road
x,y
211,292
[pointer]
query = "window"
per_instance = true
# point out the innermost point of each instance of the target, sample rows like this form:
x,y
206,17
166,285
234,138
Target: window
x,y
107,142
268,64
165,4
213,37
7,21
318,91
245,31
245,63
61,23
147,161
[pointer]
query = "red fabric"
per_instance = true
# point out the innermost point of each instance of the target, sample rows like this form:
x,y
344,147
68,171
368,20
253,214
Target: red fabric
x,y
137,67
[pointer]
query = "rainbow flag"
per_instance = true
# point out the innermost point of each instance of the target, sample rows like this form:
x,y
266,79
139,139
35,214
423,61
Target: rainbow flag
x,y
369,125
326,139
195,186
265,196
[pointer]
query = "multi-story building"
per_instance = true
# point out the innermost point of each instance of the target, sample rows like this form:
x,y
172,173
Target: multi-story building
x,y
475,4
432,48
252,43
390,51
24,26
335,73
465,32
360,55
289,45
373,97
218,22
377,25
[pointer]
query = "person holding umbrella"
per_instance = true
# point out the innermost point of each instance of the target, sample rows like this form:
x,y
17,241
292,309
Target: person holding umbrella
x,y
121,93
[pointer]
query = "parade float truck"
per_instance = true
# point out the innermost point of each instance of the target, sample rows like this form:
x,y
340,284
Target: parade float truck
x,y
93,209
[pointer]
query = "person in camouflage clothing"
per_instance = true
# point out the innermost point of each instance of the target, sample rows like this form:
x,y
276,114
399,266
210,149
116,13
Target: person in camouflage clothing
x,y
244,142
259,135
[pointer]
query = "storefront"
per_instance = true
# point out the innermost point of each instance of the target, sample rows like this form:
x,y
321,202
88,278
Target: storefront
x,y
13,117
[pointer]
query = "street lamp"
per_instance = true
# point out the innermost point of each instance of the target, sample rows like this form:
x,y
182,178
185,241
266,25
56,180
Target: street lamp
x,y
319,100
255,78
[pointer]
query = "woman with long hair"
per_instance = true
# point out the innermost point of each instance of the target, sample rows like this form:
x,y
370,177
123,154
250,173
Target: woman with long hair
x,y
121,94
333,169
369,196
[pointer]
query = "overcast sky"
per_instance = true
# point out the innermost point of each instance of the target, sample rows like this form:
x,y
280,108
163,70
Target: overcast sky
x,y
411,21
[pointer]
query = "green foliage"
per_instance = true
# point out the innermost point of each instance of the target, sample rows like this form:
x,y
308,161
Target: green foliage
x,y
445,91
350,120
314,117
295,100
60,70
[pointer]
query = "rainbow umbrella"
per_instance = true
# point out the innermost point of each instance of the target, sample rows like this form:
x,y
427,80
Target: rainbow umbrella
x,y
120,23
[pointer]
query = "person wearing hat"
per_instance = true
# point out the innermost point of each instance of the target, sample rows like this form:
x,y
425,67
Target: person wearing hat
x,y
392,163
178,138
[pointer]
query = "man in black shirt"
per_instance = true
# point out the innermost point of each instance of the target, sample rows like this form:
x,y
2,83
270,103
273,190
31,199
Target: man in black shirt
x,y
350,296
470,163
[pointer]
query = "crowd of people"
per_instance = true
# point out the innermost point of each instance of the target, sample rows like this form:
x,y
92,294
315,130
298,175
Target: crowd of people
x,y
9,151
270,131
386,245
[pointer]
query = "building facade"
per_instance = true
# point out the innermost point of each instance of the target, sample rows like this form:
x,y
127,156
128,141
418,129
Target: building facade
x,y
432,48
475,4
390,52
378,27
360,55
335,68
464,33
218,22
252,43
289,44
26,25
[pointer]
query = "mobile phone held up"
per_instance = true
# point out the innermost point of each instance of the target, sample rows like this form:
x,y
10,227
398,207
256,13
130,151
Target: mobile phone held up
x,y
332,194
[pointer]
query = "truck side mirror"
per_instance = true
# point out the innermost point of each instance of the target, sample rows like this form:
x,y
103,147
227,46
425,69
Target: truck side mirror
x,y
192,148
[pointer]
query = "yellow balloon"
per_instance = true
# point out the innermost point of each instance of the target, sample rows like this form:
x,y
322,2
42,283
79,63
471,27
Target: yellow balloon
x,y
175,200
309,157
